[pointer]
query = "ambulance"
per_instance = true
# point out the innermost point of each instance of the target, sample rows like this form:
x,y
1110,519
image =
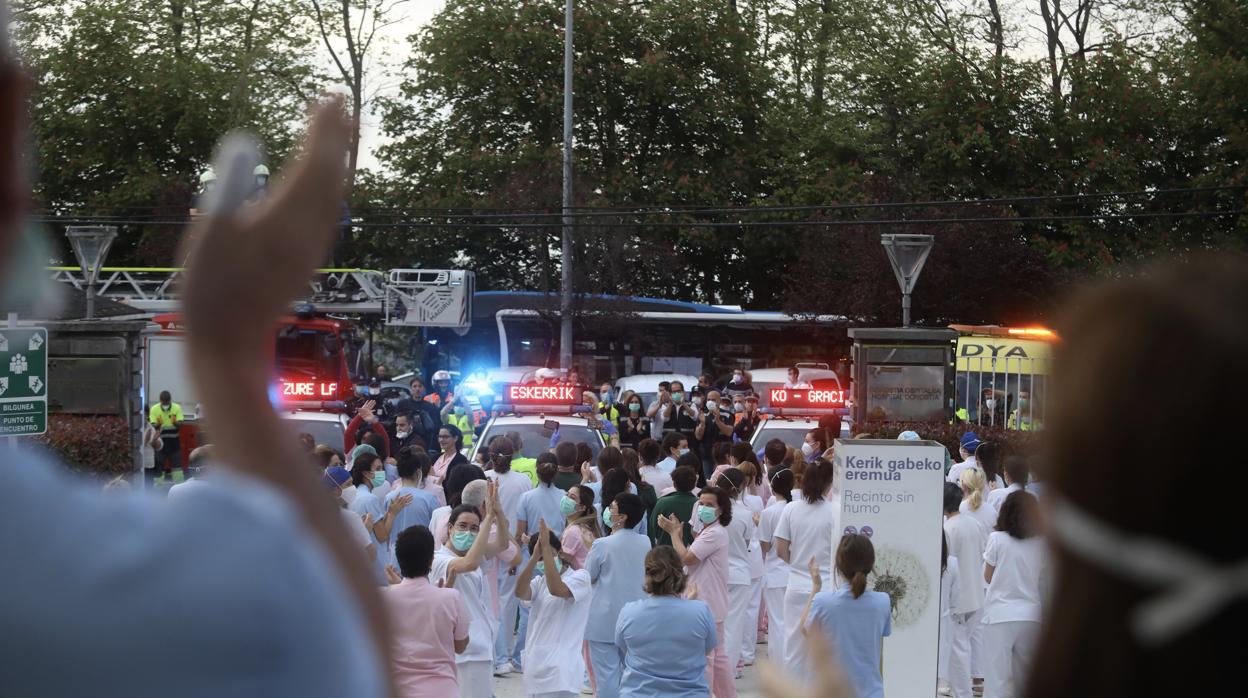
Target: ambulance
x,y
534,412
1002,375
791,412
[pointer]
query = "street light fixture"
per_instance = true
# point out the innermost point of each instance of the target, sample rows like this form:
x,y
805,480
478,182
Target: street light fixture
x,y
907,254
90,244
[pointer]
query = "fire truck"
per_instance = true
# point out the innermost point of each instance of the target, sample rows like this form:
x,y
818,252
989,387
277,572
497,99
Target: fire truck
x,y
318,358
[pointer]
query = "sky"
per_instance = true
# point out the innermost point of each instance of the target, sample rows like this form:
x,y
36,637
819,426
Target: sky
x,y
414,15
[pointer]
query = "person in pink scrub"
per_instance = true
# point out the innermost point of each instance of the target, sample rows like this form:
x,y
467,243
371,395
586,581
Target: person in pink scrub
x,y
706,562
577,506
429,623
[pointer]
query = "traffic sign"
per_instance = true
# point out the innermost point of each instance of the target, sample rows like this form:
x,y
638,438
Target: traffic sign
x,y
23,381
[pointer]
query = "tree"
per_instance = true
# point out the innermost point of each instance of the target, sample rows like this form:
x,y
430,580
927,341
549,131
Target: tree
x,y
348,30
132,96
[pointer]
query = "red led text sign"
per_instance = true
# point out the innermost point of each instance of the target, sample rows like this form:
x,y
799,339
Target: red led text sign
x,y
542,394
308,389
807,397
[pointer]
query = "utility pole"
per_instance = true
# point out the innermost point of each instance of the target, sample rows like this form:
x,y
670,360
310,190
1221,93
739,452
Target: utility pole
x,y
565,301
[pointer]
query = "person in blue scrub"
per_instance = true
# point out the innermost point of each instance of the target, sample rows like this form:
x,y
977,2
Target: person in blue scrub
x,y
660,662
855,621
616,566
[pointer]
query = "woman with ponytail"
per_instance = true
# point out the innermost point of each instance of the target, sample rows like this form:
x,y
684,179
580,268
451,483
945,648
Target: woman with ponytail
x,y
975,498
854,621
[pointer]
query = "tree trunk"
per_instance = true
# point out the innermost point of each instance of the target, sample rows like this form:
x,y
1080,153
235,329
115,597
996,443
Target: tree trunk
x,y
821,55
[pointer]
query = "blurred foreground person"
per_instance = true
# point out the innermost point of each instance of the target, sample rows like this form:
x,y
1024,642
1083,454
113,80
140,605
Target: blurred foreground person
x,y
110,595
1146,600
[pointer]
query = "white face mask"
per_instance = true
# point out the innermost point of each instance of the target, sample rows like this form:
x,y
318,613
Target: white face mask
x,y
402,434
348,495
990,403
807,449
1190,588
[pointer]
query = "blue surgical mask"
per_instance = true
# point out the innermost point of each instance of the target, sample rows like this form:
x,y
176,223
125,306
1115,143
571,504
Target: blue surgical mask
x,y
379,478
683,451
459,411
706,514
606,518
566,506
540,568
634,407
463,540
678,398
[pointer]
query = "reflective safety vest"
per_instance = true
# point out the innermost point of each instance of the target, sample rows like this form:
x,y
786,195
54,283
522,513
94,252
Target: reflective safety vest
x,y
435,399
1024,425
612,415
962,414
527,466
464,424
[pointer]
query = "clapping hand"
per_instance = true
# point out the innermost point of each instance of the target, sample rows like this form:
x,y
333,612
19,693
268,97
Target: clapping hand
x,y
671,524
366,411
829,679
392,575
400,502
587,473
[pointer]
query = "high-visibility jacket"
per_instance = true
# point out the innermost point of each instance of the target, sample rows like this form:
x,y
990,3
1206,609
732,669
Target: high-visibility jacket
x,y
435,399
1023,425
612,415
464,424
164,420
527,466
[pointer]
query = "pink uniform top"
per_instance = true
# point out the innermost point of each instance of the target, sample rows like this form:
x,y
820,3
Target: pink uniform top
x,y
425,621
441,464
575,546
711,572
434,489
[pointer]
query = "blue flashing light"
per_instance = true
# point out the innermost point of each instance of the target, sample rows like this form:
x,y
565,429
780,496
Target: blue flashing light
x,y
433,342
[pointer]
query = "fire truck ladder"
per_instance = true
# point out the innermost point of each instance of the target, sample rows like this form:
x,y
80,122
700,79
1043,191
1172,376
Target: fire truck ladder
x,y
156,289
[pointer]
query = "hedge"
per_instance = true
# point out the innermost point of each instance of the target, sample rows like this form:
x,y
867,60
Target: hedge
x,y
90,444
1017,442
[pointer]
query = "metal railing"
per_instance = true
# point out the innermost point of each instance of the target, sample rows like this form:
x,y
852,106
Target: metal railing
x,y
1017,388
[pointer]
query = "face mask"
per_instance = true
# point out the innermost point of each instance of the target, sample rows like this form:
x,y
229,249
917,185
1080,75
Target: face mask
x,y
1189,588
541,567
402,434
462,540
1023,402
990,404
379,478
567,506
606,518
606,396
807,449
374,391
706,514
348,495
736,377
683,451
697,401
738,408
678,398
459,411
725,406
634,407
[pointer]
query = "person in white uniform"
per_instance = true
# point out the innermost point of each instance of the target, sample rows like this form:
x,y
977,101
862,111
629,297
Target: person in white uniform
x,y
775,570
558,602
511,488
966,448
967,540
949,585
457,565
974,502
806,530
1013,563
740,535
1016,475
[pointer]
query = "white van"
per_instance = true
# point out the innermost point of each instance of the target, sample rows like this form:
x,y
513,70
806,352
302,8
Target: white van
x,y
647,384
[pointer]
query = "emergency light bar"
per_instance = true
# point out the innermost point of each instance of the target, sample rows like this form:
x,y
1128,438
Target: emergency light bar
x,y
807,398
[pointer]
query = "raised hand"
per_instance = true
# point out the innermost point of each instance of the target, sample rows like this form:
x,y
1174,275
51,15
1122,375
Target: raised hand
x,y
829,679
669,523
587,473
400,502
392,575
366,411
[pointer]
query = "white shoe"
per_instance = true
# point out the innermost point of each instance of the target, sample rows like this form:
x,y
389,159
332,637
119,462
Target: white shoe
x,y
945,691
504,669
586,690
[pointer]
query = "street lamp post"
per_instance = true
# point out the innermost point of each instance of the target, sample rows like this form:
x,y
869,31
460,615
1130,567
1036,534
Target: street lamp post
x,y
90,244
565,300
907,254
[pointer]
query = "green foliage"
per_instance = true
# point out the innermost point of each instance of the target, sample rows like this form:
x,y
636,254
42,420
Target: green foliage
x,y
132,95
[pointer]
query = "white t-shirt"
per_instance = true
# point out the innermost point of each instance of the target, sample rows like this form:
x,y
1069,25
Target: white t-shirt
x,y
1014,592
552,657
355,528
967,540
511,486
986,515
482,624
667,465
955,470
997,497
656,478
950,585
740,534
775,570
810,530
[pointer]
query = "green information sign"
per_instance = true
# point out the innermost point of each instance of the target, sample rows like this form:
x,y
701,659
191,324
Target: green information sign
x,y
23,381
